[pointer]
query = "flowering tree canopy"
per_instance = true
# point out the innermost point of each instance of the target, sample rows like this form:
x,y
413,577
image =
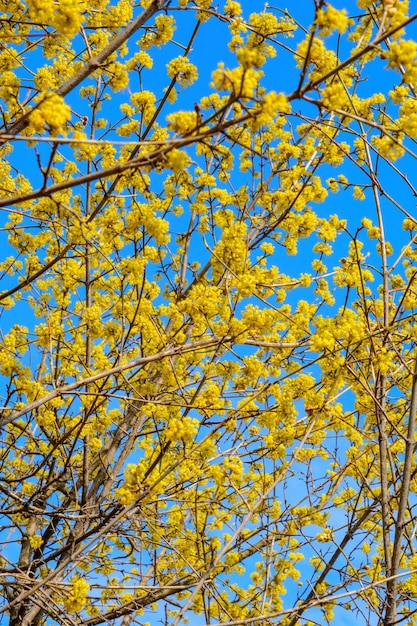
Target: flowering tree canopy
x,y
208,355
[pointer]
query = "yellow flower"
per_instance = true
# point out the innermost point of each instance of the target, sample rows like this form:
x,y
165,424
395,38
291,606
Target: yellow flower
x,y
185,72
77,597
358,193
402,55
181,429
52,113
331,19
272,104
182,122
144,103
177,160
164,29
334,96
232,8
68,16
239,81
35,541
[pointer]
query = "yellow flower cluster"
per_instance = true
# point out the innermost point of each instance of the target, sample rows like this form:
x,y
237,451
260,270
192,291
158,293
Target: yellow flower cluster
x,y
144,103
347,327
49,77
407,120
181,429
266,24
330,20
144,215
389,147
177,160
335,96
119,15
203,300
272,105
35,541
238,81
65,16
261,26
160,35
182,70
320,57
52,113
402,55
77,597
410,584
232,8
231,251
182,122
139,59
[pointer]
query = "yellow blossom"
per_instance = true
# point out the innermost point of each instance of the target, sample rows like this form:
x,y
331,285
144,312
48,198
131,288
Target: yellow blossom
x,y
161,34
35,541
185,72
77,596
331,19
52,113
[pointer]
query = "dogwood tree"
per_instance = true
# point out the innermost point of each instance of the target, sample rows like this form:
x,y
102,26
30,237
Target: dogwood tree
x,y
208,363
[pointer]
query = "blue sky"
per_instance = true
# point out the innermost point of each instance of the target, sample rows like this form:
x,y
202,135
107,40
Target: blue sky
x,y
209,49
